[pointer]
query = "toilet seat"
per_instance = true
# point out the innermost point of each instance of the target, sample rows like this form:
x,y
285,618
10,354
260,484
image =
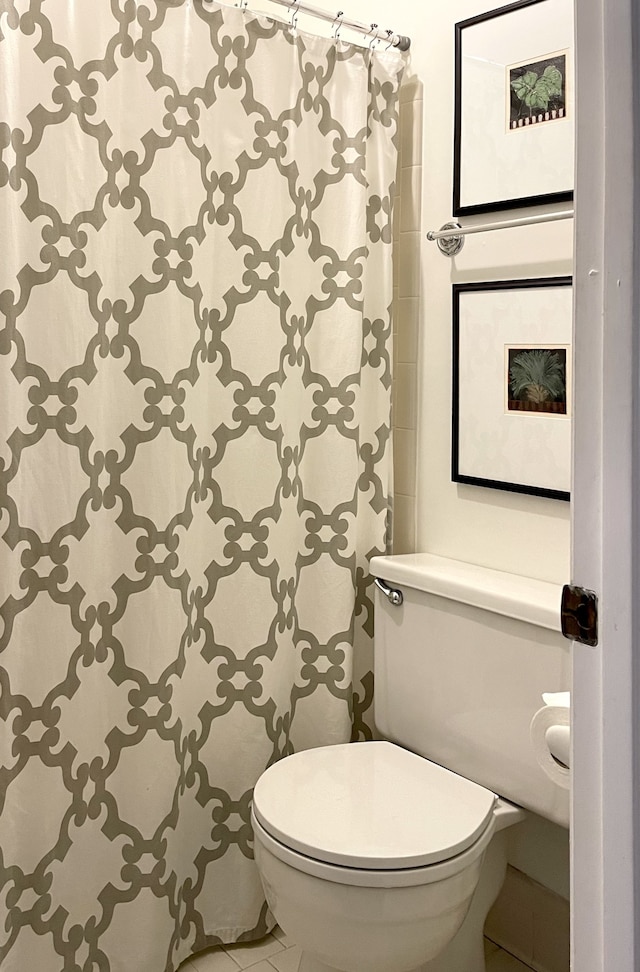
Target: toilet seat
x,y
372,807
367,877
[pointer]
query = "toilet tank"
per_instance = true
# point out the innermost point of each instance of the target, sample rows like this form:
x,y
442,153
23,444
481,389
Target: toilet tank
x,y
460,668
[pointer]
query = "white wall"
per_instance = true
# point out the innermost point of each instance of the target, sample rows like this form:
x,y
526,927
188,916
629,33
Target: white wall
x,y
523,534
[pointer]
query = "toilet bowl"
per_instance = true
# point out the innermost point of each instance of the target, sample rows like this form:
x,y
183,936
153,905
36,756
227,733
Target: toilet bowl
x,y
370,857
386,856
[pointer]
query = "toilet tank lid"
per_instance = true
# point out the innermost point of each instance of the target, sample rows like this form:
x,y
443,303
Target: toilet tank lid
x,y
371,805
511,595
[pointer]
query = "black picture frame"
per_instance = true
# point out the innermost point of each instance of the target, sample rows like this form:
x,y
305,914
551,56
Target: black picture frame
x,y
461,150
467,477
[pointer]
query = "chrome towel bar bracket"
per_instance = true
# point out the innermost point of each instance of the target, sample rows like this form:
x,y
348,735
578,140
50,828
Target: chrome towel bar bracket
x,y
450,237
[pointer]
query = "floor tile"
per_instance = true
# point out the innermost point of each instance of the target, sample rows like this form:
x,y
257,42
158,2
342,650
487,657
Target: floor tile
x,y
501,961
264,966
287,961
213,960
249,953
275,953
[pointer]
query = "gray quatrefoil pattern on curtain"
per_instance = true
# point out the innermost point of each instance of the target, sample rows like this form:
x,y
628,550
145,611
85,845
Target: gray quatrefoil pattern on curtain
x,y
195,335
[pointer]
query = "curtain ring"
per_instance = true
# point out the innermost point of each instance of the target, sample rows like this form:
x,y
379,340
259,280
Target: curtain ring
x,y
336,26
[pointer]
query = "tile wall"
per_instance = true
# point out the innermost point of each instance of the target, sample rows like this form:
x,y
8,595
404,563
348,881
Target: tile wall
x,y
406,310
531,922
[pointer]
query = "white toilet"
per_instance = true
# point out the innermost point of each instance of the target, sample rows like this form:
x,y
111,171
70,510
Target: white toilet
x,y
386,856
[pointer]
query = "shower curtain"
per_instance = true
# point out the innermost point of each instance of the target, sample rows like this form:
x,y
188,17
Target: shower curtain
x,y
195,291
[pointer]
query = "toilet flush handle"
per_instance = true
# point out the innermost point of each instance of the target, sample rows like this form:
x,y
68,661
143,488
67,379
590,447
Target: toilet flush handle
x,y
391,593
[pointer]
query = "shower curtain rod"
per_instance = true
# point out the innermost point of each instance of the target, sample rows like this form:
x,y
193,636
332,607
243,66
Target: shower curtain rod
x,y
372,31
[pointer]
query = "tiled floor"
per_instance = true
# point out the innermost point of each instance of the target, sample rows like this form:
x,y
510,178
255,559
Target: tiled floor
x,y
276,952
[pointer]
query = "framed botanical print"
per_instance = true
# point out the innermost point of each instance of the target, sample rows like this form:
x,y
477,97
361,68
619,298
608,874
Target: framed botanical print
x,y
512,382
514,108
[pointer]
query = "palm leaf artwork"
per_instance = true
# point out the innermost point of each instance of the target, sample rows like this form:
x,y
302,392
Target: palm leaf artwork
x,y
536,91
537,376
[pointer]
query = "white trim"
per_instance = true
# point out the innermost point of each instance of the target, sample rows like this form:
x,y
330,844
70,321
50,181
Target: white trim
x,y
605,698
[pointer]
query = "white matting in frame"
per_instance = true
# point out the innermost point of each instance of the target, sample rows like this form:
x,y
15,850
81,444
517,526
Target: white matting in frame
x,y
514,125
512,379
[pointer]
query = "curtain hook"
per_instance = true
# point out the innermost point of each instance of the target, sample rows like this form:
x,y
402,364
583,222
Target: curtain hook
x,y
336,26
243,4
390,38
293,10
375,39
